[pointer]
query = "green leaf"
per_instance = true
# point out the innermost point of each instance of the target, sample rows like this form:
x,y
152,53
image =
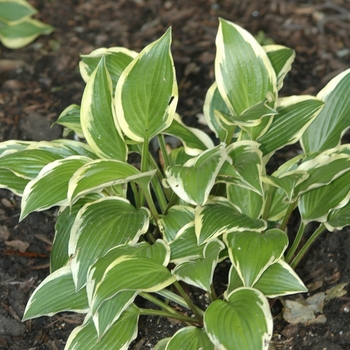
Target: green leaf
x,y
12,182
146,94
27,163
14,11
147,275
185,247
279,279
190,338
70,118
247,162
323,169
193,181
119,336
111,310
117,59
214,109
101,131
194,140
176,218
56,293
14,145
242,322
219,216
23,33
315,205
327,129
53,180
66,216
281,58
295,114
199,272
252,252
243,71
100,226
64,148
338,218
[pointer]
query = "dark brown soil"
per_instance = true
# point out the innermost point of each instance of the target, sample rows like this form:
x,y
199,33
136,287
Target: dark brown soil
x,y
40,80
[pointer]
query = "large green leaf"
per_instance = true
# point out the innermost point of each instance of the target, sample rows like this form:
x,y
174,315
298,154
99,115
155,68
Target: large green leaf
x,y
56,293
50,187
96,116
98,227
190,338
253,252
146,93
243,71
193,181
279,279
119,336
327,129
219,216
199,272
242,322
295,114
147,275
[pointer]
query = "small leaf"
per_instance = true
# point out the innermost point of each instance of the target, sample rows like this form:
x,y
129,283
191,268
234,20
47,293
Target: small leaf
x,y
194,140
253,252
199,272
56,293
279,279
281,58
193,181
176,218
146,93
12,11
70,118
242,322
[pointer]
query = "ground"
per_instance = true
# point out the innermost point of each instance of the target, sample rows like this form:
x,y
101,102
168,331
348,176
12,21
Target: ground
x,y
42,79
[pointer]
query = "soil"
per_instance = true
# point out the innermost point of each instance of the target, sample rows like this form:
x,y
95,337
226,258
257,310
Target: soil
x,y
40,80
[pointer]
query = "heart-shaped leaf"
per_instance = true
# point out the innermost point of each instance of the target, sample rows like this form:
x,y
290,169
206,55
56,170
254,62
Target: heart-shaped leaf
x,y
252,252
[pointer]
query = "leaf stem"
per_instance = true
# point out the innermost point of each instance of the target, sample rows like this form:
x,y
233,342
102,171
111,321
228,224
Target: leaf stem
x,y
167,311
163,149
296,242
286,218
307,245
197,312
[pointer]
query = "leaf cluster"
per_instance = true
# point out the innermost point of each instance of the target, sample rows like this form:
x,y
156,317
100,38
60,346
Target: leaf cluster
x,y
127,232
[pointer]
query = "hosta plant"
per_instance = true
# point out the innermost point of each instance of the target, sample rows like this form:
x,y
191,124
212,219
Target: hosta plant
x,y
158,227
17,28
